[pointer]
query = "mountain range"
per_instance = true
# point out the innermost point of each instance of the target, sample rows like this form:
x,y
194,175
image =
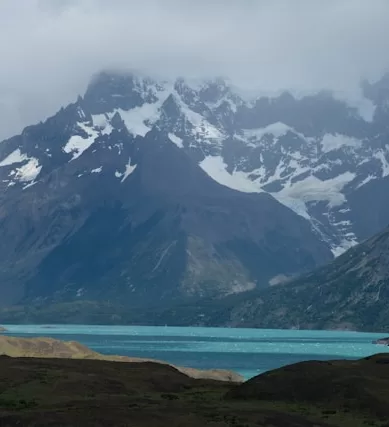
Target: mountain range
x,y
152,192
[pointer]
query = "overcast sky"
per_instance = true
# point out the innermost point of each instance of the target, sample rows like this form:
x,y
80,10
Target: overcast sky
x,y
50,48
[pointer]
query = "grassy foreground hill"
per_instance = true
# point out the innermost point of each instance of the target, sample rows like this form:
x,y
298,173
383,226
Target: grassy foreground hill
x,y
68,392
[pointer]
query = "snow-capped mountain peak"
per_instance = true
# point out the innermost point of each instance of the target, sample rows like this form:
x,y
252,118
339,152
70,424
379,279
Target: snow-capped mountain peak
x,y
316,155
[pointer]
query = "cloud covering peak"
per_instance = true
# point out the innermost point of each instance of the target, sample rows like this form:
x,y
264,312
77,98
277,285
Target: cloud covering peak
x,y
50,48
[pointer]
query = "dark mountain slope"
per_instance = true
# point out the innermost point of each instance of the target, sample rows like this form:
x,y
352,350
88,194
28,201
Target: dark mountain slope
x,y
351,292
160,228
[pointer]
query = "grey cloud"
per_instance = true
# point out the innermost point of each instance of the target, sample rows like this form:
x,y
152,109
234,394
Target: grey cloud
x,y
50,48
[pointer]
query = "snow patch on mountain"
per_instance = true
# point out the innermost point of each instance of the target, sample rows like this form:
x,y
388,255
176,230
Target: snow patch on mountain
x,y
29,171
366,180
294,195
97,170
100,120
380,155
313,189
102,124
296,205
301,195
334,142
277,129
342,248
176,140
78,144
129,170
15,157
139,120
215,167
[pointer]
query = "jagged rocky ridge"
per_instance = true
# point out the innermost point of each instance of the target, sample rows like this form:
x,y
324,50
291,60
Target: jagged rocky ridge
x,y
149,190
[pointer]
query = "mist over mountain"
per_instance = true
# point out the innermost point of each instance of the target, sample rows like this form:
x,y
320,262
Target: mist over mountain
x,y
50,48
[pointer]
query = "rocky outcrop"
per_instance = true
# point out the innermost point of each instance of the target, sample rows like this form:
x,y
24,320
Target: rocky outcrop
x,y
52,348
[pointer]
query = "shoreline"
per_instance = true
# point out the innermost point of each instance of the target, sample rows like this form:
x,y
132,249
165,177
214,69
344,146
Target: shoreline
x,y
50,348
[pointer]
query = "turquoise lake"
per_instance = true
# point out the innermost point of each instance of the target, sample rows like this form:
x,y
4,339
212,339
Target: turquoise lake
x,y
247,351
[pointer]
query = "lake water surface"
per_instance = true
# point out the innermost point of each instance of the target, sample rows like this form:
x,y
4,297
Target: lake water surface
x,y
247,351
